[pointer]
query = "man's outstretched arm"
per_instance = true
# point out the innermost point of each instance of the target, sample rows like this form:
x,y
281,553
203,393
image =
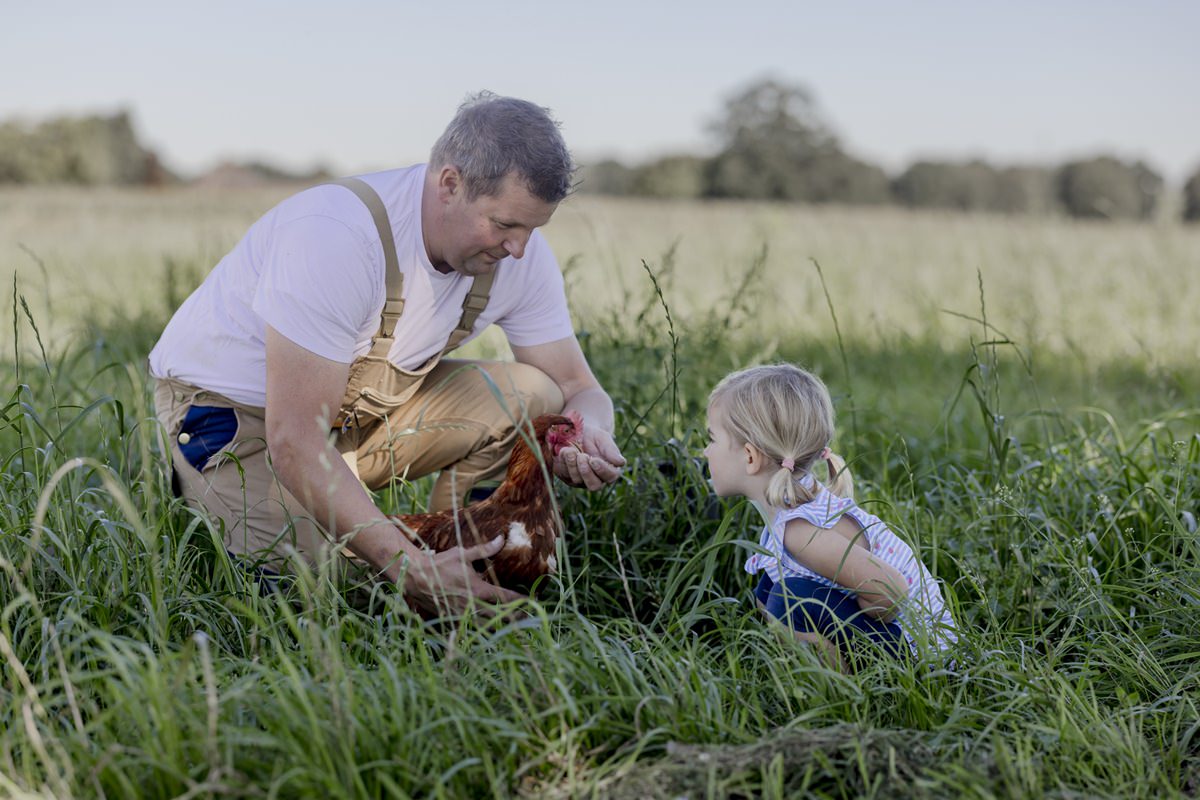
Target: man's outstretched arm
x,y
304,392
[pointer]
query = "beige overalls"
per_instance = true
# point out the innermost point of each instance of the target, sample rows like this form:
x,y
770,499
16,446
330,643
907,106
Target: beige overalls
x,y
453,416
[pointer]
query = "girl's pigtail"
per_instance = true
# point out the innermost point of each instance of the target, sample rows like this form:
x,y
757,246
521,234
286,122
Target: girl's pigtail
x,y
782,491
840,482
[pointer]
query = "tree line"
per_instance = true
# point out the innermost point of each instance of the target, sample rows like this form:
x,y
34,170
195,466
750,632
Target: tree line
x,y
97,150
90,150
774,145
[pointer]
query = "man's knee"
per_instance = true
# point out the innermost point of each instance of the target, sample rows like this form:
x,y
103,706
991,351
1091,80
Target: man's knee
x,y
528,391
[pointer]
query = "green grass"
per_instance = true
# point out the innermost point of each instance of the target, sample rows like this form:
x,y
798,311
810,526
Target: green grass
x,y
1055,495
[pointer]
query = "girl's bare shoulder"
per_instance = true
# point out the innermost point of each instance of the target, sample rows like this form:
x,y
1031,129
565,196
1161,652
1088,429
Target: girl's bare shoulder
x,y
800,532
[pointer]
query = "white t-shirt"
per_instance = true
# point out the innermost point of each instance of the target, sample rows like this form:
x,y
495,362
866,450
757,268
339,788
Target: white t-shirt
x,y
312,268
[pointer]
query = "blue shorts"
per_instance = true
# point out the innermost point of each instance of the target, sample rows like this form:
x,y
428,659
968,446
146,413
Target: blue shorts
x,y
811,607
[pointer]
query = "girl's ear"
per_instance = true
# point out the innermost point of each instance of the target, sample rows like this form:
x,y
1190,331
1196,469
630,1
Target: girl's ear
x,y
755,459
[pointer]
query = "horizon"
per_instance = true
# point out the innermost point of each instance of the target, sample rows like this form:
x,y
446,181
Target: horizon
x,y
1014,85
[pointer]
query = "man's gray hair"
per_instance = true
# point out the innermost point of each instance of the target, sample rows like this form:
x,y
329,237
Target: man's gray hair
x,y
491,136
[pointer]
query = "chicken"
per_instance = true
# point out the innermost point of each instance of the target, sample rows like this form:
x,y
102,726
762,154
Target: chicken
x,y
521,508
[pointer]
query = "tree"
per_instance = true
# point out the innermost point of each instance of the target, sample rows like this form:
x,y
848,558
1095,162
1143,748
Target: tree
x,y
1110,189
771,135
606,177
840,178
87,150
931,184
1191,198
1025,190
671,176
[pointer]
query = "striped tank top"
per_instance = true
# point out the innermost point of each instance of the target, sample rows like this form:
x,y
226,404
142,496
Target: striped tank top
x,y
923,617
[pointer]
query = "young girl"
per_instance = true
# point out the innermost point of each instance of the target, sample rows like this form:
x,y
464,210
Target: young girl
x,y
835,573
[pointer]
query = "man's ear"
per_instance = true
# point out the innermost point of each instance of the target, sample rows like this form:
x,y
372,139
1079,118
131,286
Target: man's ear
x,y
449,183
756,460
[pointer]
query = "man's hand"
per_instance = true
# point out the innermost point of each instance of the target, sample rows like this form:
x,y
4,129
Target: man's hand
x,y
595,462
444,583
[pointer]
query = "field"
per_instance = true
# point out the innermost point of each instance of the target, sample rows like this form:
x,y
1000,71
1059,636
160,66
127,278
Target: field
x,y
1017,396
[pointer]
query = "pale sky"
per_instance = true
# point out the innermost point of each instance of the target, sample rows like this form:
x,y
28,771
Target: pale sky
x,y
368,84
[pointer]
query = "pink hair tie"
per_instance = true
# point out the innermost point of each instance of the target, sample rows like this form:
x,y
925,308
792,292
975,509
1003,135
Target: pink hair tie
x,y
825,454
789,464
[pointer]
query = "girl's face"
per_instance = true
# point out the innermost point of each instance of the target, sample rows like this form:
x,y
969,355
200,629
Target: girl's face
x,y
726,458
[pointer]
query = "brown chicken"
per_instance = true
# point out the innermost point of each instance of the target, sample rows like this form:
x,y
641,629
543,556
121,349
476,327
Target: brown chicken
x,y
521,508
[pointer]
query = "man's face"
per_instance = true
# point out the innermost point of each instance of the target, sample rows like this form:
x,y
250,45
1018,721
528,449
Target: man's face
x,y
474,235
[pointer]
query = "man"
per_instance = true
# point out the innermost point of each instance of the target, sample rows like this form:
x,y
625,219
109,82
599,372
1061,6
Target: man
x,y
311,357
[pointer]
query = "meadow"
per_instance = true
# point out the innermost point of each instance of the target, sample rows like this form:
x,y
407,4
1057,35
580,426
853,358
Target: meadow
x,y
1017,396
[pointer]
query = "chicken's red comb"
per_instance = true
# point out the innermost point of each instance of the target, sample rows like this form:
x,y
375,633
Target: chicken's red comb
x,y
576,420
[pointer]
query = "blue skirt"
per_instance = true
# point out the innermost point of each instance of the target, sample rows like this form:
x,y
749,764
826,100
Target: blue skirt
x,y
811,607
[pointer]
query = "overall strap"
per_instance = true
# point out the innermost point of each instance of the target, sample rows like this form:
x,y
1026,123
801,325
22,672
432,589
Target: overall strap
x,y
473,305
393,303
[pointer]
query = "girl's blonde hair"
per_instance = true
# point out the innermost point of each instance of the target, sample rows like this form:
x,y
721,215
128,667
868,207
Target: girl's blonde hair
x,y
787,414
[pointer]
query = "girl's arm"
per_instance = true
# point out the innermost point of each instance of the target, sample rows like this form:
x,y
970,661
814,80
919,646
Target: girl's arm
x,y
831,554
